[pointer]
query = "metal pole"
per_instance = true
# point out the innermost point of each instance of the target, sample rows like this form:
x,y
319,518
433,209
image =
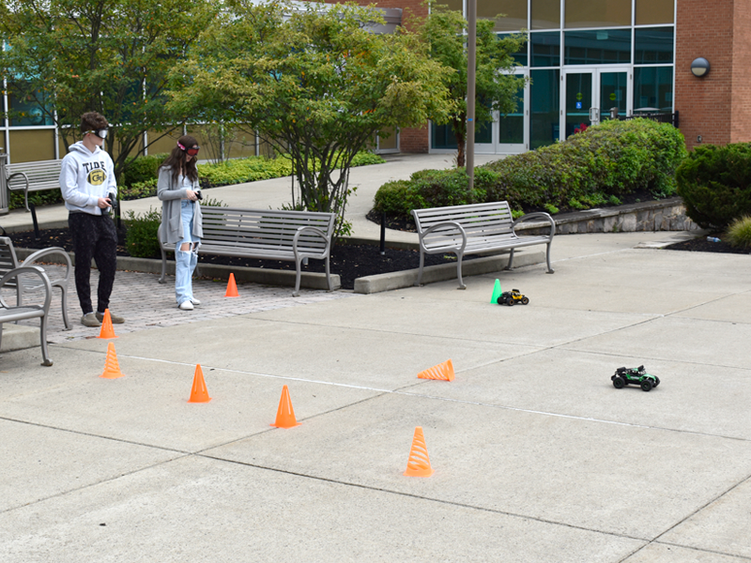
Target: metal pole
x,y
471,64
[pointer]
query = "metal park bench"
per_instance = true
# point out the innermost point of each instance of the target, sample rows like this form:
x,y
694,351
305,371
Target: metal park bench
x,y
482,228
292,236
9,261
19,311
33,177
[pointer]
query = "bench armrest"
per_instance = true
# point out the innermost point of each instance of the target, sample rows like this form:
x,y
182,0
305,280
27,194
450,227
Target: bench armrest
x,y
39,254
15,272
316,230
25,178
458,227
533,216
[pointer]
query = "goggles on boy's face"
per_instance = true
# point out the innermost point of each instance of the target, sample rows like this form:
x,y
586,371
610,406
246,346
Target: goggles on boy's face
x,y
101,133
192,151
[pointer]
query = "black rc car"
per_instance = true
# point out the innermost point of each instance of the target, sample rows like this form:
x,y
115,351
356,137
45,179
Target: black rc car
x,y
634,376
512,297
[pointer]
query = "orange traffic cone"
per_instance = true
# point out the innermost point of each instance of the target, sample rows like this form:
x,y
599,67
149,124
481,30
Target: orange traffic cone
x,y
444,371
199,393
419,462
107,330
111,367
285,414
231,287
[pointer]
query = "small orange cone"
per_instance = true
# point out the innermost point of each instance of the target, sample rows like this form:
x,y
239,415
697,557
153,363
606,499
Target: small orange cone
x,y
231,287
444,371
419,462
111,367
285,414
107,330
199,393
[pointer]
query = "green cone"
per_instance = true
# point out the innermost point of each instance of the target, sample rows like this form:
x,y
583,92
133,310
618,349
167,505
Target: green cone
x,y
496,292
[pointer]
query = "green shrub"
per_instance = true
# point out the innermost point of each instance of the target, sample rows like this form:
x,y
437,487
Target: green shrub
x,y
739,232
142,169
46,197
432,188
141,239
589,169
138,190
715,184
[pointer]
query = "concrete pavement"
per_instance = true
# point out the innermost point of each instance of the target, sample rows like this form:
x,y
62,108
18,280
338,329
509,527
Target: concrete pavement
x,y
537,457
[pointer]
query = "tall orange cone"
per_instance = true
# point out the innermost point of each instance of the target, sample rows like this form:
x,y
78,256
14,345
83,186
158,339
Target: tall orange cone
x,y
444,371
107,330
199,393
111,366
285,414
231,287
419,462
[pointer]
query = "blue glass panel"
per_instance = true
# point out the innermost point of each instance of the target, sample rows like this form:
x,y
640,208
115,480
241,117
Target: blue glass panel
x,y
544,107
546,48
441,137
602,46
653,45
653,88
521,56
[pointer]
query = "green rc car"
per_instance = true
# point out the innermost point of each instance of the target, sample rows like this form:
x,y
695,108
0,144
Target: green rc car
x,y
512,297
634,376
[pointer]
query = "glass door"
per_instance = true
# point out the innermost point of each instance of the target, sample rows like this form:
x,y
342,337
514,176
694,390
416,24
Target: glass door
x,y
508,134
593,95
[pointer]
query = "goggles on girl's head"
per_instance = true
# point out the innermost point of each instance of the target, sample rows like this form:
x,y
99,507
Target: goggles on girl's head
x,y
192,151
101,133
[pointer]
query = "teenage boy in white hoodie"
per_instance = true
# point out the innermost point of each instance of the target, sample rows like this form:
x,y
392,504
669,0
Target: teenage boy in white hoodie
x,y
87,181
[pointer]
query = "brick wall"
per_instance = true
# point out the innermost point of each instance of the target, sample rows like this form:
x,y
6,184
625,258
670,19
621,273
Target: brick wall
x,y
717,106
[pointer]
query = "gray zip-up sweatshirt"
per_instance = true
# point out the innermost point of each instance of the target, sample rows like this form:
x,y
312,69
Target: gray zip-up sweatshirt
x,y
85,177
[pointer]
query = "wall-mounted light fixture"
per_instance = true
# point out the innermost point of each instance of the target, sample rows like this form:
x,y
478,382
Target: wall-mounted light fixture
x,y
700,67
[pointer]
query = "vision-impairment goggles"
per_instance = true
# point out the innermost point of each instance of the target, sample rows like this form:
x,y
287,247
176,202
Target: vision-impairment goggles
x,y
192,151
101,133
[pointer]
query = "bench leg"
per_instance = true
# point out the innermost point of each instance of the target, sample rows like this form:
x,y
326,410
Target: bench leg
x,y
422,263
164,267
550,269
298,276
328,275
43,338
459,270
510,260
64,303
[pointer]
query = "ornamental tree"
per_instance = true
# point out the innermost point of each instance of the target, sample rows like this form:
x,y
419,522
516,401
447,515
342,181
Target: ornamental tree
x,y
316,82
496,89
67,57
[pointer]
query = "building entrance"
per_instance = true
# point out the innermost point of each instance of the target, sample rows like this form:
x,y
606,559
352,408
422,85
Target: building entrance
x,y
592,95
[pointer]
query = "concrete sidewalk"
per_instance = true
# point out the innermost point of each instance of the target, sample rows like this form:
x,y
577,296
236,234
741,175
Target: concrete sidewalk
x,y
537,457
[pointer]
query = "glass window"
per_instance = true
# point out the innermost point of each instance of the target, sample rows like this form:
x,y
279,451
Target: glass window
x,y
653,45
511,125
598,13
546,48
519,57
515,12
546,14
441,137
25,107
604,46
649,12
544,128
653,89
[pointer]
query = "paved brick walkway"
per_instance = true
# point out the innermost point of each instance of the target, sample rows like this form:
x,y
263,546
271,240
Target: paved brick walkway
x,y
145,303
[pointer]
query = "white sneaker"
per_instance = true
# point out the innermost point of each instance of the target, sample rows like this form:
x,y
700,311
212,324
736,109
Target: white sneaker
x,y
195,301
186,306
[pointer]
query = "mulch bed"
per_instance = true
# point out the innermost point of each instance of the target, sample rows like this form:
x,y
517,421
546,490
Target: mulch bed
x,y
349,261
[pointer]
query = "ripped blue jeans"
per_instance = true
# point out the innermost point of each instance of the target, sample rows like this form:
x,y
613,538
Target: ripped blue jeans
x,y
186,261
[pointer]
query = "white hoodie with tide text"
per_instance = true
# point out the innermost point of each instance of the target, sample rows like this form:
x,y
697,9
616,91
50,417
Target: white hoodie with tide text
x,y
85,177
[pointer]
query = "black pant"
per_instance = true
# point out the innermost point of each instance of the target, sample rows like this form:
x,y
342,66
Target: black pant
x,y
94,236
